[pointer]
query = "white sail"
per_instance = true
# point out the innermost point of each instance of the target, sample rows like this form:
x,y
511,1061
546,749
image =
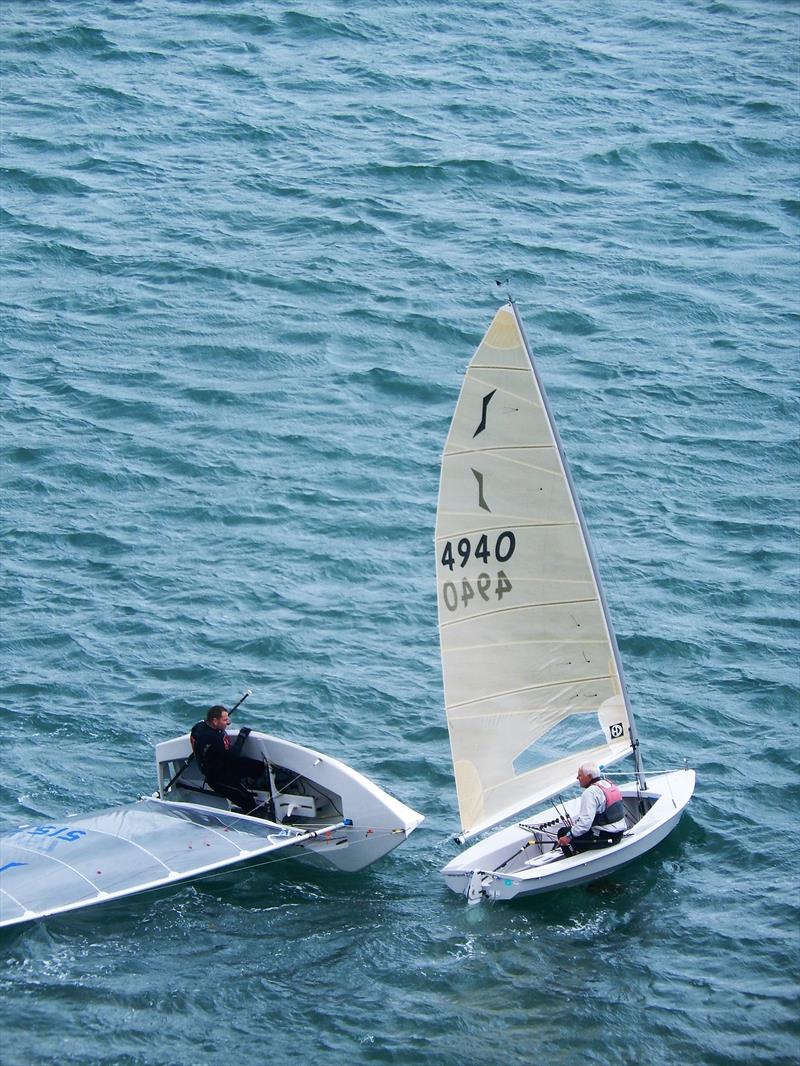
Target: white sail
x,y
532,681
80,861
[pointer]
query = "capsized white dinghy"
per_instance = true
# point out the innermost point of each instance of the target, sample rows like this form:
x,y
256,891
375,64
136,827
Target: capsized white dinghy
x,y
320,811
533,681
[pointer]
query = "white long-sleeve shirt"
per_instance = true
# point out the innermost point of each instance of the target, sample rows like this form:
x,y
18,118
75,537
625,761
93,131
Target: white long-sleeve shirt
x,y
593,801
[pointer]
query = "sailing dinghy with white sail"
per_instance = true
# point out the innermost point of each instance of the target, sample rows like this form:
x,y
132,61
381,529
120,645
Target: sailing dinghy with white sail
x,y
320,811
533,681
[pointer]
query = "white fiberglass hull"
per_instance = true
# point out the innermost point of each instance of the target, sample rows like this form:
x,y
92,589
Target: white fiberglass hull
x,y
322,792
506,866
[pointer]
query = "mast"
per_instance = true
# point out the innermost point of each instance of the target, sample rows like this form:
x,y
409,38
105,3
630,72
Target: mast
x,y
637,754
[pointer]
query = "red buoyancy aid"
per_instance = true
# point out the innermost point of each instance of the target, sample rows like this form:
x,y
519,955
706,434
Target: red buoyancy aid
x,y
615,806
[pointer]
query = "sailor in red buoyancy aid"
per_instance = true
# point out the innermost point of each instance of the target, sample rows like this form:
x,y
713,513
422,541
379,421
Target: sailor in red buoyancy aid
x,y
601,818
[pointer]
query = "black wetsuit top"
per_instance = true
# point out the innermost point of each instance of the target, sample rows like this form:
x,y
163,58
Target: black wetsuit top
x,y
223,767
211,749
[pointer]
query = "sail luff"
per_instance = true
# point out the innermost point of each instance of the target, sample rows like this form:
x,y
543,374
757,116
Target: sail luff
x,y
590,550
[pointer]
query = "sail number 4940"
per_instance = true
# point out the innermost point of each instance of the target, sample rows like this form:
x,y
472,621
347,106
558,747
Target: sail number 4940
x,y
504,546
483,586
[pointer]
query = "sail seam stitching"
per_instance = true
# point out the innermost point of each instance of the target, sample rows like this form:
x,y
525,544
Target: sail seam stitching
x,y
529,688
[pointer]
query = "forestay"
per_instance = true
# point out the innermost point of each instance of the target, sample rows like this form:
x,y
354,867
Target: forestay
x,y
48,869
532,680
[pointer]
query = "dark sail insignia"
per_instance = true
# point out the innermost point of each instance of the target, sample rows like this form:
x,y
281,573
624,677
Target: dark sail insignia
x,y
486,400
481,501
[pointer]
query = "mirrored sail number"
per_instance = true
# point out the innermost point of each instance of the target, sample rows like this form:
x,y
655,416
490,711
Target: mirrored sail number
x,y
503,548
484,587
55,832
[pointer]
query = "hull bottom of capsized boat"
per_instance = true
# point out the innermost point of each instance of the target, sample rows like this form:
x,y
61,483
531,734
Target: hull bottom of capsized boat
x,y
519,861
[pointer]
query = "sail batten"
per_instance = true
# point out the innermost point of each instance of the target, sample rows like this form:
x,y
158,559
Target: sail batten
x,y
486,527
531,671
454,707
506,610
504,448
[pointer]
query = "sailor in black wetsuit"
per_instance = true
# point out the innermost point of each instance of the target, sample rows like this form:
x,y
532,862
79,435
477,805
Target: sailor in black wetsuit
x,y
221,764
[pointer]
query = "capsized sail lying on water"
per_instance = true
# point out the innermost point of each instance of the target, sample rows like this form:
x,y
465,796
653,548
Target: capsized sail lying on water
x,y
320,810
80,861
532,680
325,813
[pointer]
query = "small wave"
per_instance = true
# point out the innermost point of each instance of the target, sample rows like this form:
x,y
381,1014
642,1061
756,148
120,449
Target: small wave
x,y
228,70
323,226
217,356
101,543
254,25
316,28
122,101
762,149
569,323
94,164
542,252
84,40
45,145
661,25
696,152
43,184
390,383
741,223
29,455
663,648
209,396
762,107
627,158
475,171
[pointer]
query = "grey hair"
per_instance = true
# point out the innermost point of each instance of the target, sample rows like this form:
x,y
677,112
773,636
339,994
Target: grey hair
x,y
589,769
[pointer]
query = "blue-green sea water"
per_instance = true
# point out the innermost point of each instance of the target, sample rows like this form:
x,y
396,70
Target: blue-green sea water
x,y
248,249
